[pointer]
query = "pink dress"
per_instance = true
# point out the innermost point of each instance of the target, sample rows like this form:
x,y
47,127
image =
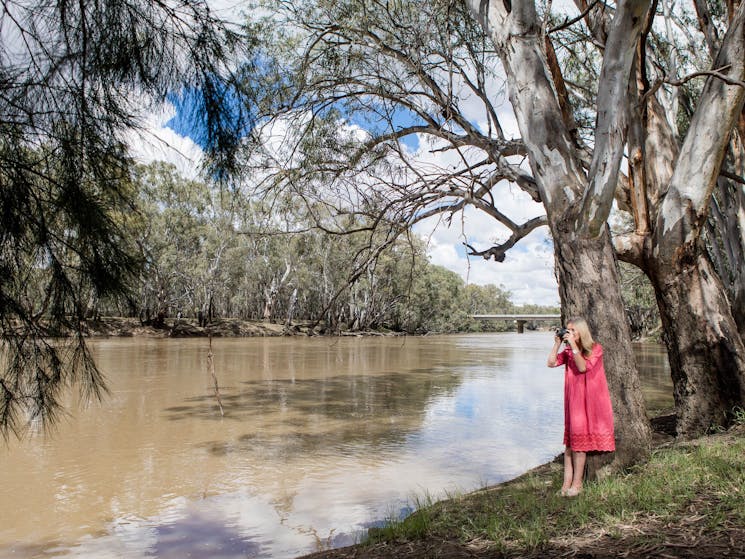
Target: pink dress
x,y
588,414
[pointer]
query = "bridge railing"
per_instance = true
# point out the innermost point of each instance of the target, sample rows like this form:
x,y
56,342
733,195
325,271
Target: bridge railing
x,y
520,319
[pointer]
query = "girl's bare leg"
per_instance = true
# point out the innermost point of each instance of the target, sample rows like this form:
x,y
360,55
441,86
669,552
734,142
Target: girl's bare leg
x,y
579,459
568,470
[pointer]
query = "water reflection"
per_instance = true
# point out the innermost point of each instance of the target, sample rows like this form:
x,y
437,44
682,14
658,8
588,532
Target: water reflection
x,y
320,440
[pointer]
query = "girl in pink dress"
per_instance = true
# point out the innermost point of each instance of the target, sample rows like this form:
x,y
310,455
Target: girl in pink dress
x,y
588,414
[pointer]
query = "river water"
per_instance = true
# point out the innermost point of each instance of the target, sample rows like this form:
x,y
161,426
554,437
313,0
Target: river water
x,y
321,438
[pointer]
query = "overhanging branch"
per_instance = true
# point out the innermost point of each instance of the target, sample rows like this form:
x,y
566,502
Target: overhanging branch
x,y
498,252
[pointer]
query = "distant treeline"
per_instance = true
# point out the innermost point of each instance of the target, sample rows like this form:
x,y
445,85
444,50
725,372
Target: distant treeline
x,y
208,254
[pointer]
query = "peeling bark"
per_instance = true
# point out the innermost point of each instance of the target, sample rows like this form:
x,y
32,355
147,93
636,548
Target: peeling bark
x,y
612,99
707,361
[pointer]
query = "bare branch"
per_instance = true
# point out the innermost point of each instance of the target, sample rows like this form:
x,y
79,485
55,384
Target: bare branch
x,y
498,252
707,26
707,73
569,22
732,176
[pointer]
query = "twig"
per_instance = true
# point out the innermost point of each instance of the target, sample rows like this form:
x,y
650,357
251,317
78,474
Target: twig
x,y
211,369
713,73
732,176
570,22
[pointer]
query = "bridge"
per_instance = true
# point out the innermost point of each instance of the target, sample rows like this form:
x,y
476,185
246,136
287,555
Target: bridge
x,y
520,319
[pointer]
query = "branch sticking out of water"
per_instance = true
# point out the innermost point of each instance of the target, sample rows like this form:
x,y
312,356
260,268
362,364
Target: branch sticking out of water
x,y
211,369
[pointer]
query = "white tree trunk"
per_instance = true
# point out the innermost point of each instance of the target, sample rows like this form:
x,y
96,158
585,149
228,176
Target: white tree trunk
x,y
706,352
584,257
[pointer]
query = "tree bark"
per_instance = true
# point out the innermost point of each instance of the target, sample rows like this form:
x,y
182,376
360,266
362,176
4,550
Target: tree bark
x,y
707,357
705,349
725,236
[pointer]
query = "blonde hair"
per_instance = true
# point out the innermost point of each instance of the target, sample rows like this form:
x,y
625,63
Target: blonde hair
x,y
585,341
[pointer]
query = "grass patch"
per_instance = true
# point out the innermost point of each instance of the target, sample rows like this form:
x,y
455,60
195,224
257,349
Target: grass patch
x,y
675,484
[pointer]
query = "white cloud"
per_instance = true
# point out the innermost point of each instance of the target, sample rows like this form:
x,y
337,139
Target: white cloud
x,y
157,142
527,271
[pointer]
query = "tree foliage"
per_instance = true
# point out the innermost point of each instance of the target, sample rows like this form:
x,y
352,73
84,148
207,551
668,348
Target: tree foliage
x,y
216,256
369,92
75,80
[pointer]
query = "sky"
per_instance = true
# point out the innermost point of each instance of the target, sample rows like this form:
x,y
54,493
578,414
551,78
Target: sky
x,y
527,271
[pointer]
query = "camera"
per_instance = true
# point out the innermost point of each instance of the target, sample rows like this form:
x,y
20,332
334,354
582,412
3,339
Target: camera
x,y
561,332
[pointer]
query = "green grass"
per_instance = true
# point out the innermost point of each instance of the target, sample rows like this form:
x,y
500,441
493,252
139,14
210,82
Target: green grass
x,y
527,513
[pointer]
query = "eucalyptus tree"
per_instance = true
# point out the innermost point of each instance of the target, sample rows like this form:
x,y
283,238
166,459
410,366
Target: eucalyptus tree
x,y
298,270
679,174
726,224
361,83
185,236
211,255
75,79
726,236
678,135
439,302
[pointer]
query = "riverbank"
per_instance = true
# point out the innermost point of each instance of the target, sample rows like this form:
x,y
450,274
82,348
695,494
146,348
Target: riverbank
x,y
218,328
688,500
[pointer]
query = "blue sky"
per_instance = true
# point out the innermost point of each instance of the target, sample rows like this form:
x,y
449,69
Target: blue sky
x,y
403,119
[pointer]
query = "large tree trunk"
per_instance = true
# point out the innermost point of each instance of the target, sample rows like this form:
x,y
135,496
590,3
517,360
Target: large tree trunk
x,y
705,350
588,286
725,229
725,236
707,357
585,259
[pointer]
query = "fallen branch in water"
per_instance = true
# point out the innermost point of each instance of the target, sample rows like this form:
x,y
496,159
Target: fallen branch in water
x,y
211,369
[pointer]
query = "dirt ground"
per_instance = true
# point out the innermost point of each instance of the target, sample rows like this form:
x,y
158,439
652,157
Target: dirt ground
x,y
689,536
685,539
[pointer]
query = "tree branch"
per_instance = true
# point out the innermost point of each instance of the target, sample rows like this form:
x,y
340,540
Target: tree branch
x,y
731,176
708,73
699,164
613,94
569,22
498,252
